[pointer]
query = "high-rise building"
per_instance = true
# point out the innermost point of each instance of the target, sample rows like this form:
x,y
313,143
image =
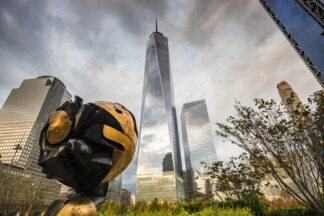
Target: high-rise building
x,y
22,118
159,168
132,203
114,189
288,96
65,191
125,197
302,22
198,144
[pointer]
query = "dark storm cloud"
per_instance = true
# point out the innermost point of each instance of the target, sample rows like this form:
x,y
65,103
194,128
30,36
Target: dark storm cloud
x,y
21,39
133,16
21,27
204,18
27,29
93,25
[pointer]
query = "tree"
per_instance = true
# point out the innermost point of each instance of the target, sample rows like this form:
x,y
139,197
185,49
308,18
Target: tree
x,y
284,201
239,178
19,192
287,144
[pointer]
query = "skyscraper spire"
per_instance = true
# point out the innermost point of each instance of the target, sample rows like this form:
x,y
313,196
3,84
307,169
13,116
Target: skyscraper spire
x,y
156,25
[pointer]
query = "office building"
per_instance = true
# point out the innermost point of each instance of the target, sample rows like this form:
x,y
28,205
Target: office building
x,y
114,189
125,197
298,157
159,168
22,118
198,144
65,191
132,203
302,23
289,97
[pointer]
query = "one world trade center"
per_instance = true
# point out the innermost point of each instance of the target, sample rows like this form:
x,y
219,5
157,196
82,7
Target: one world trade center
x,y
159,169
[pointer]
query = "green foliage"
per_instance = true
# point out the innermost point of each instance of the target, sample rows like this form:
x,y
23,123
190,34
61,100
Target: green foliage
x,y
287,141
208,211
291,212
155,206
252,206
165,206
140,206
238,179
223,212
257,205
193,206
109,208
123,209
19,192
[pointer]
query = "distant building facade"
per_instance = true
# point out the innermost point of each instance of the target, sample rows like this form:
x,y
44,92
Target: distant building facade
x,y
159,169
22,118
198,144
132,203
270,187
114,189
302,22
64,192
125,197
287,93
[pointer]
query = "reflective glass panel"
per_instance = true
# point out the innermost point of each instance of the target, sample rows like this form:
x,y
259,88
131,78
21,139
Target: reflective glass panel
x,y
303,29
157,166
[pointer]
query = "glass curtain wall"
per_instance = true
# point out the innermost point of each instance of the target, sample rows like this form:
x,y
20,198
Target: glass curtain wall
x,y
302,30
198,144
159,165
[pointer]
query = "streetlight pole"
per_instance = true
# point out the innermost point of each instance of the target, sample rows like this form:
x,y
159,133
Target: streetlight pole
x,y
17,148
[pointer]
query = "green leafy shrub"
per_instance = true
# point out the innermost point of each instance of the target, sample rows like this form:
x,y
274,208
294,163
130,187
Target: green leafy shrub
x,y
291,212
210,211
257,205
193,207
223,212
140,206
155,206
252,206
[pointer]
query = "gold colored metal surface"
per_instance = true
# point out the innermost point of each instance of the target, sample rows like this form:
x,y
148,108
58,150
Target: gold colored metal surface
x,y
120,159
59,127
79,207
124,118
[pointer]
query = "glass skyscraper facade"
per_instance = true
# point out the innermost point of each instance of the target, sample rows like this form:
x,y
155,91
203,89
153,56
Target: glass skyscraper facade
x,y
198,145
22,118
302,23
114,189
159,168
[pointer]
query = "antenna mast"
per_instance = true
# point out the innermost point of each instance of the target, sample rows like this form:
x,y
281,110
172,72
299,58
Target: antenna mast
x,y
156,25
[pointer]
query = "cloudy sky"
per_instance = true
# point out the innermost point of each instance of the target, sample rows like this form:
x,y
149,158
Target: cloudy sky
x,y
220,50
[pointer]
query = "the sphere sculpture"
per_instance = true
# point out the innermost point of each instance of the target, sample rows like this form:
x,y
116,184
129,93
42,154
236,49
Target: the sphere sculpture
x,y
84,146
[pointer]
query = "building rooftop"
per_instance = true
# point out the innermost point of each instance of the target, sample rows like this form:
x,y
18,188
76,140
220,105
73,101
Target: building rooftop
x,y
52,78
